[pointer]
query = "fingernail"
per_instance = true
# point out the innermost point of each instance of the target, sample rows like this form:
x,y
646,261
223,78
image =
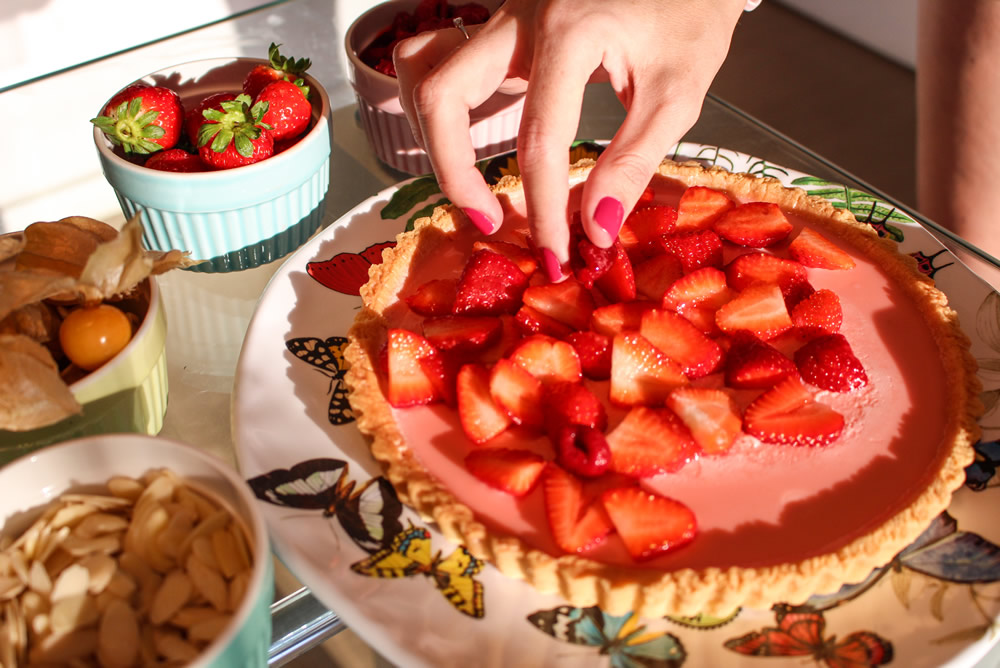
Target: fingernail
x,y
479,219
552,266
609,215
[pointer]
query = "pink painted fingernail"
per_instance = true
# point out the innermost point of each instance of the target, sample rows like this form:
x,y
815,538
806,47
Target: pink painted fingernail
x,y
480,220
609,215
552,266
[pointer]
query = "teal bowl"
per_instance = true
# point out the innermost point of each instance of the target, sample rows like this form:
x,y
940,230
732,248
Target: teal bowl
x,y
32,482
232,219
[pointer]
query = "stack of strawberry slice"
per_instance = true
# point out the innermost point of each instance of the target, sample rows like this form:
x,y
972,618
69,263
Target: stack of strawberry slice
x,y
691,352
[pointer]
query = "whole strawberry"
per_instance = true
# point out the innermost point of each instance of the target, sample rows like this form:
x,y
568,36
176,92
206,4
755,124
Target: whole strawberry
x,y
288,108
195,117
142,118
234,134
176,160
279,68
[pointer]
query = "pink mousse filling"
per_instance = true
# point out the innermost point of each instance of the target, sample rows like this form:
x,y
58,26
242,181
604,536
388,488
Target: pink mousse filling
x,y
759,504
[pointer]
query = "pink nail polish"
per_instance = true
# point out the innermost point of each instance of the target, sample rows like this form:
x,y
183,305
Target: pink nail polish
x,y
552,267
479,219
609,214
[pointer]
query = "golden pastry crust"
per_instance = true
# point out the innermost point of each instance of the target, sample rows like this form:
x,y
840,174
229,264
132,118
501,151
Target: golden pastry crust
x,y
584,582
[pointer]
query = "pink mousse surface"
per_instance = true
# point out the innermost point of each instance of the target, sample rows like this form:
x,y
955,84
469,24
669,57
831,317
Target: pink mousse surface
x,y
759,504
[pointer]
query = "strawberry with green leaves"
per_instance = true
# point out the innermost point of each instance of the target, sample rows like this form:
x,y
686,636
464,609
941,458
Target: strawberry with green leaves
x,y
142,119
288,110
235,135
278,68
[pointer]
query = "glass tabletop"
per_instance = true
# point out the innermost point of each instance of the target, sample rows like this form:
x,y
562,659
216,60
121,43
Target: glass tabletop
x,y
208,314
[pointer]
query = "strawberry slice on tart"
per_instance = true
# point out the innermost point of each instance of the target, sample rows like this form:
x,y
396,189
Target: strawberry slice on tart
x,y
788,414
649,524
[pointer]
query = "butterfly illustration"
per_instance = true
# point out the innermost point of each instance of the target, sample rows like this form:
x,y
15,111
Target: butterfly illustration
x,y
327,356
369,514
410,554
803,634
622,639
347,272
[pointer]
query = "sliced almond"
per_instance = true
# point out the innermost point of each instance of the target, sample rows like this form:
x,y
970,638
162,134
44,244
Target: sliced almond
x,y
63,648
227,553
81,547
10,588
38,579
49,542
202,548
208,582
70,614
191,615
19,564
126,488
97,524
100,569
238,589
173,594
170,645
118,636
102,502
174,535
70,514
209,629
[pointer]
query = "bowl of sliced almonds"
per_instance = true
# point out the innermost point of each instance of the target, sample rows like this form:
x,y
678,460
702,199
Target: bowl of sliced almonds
x,y
128,550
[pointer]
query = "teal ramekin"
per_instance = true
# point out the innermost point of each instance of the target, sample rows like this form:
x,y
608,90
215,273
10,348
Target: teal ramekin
x,y
232,219
127,394
31,482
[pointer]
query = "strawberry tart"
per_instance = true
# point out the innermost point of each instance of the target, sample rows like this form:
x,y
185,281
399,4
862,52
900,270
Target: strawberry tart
x,y
750,398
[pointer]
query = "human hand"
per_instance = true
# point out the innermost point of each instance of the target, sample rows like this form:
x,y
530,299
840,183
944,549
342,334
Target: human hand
x,y
660,57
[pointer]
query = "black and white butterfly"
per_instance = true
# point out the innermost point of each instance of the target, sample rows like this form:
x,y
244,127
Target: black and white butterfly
x,y
369,514
328,357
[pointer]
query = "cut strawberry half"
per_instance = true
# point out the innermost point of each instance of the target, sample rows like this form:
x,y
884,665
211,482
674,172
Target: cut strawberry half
x,y
531,321
618,282
703,287
812,249
617,318
568,404
649,524
435,297
788,414
509,470
569,302
582,450
547,359
490,284
700,207
828,362
655,275
682,342
594,351
760,309
480,416
519,255
710,414
408,382
642,229
694,249
818,314
591,262
754,224
753,364
759,267
577,525
640,372
518,393
510,337
461,333
648,442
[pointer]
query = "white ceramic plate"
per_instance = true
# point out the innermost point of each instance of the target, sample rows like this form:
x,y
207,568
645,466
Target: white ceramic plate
x,y
420,600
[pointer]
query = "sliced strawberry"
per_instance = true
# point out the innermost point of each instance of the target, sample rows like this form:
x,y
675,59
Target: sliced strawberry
x,y
519,255
594,351
640,372
567,404
517,392
513,471
788,415
814,250
547,359
753,364
710,414
655,275
568,302
758,267
481,418
754,224
682,342
700,207
618,282
650,441
510,337
649,524
616,318
641,230
818,314
703,287
694,249
829,362
490,285
462,333
702,317
577,525
760,309
408,382
441,370
646,198
531,321
582,450
435,297
591,262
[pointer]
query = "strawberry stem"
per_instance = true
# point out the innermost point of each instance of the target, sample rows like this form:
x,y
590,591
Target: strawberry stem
x,y
237,123
128,129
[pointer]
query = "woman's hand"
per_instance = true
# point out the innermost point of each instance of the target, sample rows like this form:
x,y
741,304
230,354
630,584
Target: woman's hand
x,y
660,56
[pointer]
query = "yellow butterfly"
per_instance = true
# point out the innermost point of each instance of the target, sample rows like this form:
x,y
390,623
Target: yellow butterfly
x,y
410,554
